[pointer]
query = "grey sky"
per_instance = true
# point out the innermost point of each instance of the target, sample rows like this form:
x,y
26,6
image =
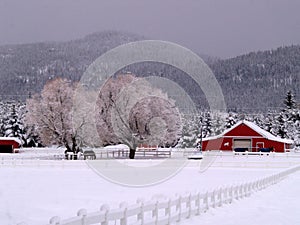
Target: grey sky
x,y
216,27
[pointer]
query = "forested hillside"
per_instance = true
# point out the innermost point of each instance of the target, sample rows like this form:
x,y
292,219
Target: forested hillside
x,y
259,80
253,82
24,69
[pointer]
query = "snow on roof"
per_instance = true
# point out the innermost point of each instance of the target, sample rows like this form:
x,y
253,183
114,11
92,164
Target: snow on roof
x,y
11,139
117,147
254,127
265,133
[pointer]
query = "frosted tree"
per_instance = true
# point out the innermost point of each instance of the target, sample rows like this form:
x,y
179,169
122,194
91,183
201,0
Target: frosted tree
x,y
132,112
191,131
51,114
218,123
198,126
29,136
296,133
12,126
231,120
281,130
258,119
186,140
105,104
3,115
207,125
289,118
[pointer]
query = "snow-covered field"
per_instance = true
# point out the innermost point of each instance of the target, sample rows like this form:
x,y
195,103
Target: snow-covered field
x,y
34,192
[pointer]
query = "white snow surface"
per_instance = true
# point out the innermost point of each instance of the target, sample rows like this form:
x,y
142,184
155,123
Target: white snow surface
x,y
33,193
276,205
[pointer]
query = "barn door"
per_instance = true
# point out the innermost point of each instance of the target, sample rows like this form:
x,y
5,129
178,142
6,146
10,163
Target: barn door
x,y
242,143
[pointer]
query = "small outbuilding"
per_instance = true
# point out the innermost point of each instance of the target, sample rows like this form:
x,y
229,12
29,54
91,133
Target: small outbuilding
x,y
246,136
9,144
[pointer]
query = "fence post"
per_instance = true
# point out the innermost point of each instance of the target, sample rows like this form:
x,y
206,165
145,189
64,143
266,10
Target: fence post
x,y
155,212
253,187
140,215
198,204
82,213
236,192
123,206
189,206
213,199
225,195
178,208
54,220
105,210
168,211
220,201
230,194
241,190
256,185
247,189
205,201
261,184
274,179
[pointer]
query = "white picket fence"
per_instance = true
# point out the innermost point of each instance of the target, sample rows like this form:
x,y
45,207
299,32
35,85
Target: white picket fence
x,y
168,211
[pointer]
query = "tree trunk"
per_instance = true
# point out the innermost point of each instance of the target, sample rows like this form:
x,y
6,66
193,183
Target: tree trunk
x,y
131,153
74,147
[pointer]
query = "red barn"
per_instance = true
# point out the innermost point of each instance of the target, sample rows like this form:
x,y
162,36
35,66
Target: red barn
x,y
246,135
9,144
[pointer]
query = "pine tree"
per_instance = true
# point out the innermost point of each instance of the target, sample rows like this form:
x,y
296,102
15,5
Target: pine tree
x,y
3,115
289,118
281,127
218,123
289,101
207,125
269,123
12,124
191,131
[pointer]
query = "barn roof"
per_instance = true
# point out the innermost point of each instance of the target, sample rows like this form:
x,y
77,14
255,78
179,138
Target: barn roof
x,y
11,139
254,127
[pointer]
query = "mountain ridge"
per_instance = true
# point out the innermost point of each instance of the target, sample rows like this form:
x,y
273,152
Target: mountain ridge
x,y
256,80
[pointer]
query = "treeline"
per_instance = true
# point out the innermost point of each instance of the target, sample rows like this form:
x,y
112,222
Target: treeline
x,y
284,123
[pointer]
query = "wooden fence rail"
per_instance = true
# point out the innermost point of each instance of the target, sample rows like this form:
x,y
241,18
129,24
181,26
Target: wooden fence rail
x,y
167,211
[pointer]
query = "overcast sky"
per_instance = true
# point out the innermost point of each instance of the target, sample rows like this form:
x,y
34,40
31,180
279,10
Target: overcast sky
x,y
221,28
